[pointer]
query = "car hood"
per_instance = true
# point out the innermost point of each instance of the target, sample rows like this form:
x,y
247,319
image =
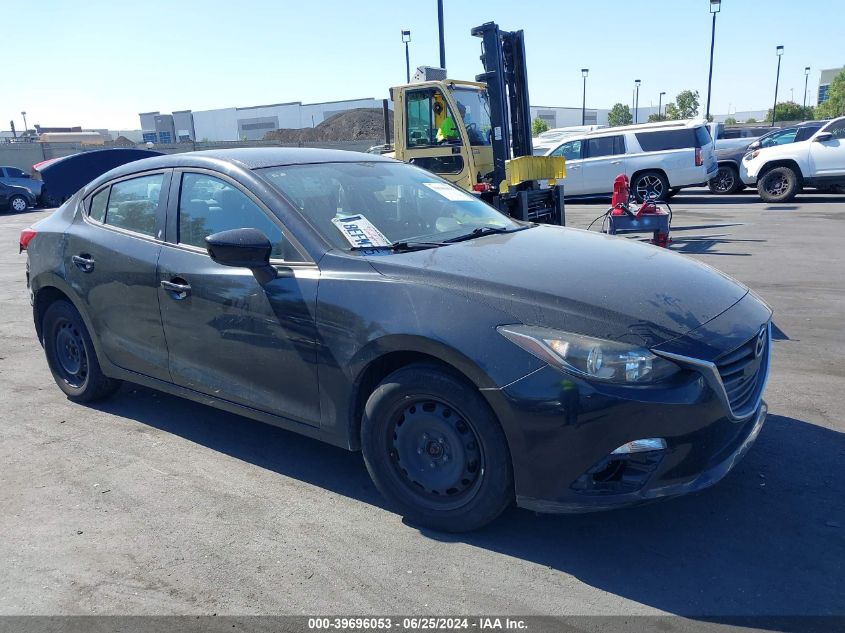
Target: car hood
x,y
575,280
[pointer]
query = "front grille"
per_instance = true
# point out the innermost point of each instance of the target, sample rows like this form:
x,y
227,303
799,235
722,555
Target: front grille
x,y
743,371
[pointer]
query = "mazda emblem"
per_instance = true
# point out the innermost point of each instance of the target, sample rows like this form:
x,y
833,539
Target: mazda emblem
x,y
761,342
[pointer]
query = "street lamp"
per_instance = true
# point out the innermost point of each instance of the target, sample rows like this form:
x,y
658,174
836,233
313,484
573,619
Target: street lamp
x,y
715,7
779,51
406,37
637,83
584,73
806,77
660,107
25,128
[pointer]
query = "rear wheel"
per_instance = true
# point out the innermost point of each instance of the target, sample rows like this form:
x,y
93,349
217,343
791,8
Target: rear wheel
x,y
650,185
779,184
435,450
71,355
18,204
726,181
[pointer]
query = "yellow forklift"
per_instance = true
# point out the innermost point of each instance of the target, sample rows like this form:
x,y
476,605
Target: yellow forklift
x,y
477,134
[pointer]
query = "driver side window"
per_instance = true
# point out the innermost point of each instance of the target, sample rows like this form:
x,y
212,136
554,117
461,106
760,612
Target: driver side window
x,y
429,120
837,129
570,150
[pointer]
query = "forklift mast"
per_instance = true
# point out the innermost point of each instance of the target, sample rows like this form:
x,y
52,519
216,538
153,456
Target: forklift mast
x,y
506,76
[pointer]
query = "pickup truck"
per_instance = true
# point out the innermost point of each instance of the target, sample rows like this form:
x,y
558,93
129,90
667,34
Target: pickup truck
x,y
782,171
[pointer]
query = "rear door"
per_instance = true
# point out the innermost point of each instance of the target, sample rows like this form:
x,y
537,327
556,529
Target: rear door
x,y
111,254
828,157
228,335
572,151
604,160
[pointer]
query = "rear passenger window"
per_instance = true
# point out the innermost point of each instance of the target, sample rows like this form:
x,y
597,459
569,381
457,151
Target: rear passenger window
x,y
97,210
680,138
208,205
133,204
605,146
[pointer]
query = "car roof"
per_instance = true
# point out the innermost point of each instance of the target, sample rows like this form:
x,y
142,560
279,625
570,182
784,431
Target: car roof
x,y
648,127
246,157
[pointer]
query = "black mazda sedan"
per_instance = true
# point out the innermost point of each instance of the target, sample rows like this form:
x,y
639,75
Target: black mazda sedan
x,y
473,359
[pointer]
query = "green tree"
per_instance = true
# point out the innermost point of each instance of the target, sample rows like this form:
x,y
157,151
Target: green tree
x,y
656,117
730,121
538,126
687,101
835,104
619,115
671,112
790,111
751,120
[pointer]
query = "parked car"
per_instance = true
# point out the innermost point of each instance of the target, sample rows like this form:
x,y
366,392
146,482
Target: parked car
x,y
781,171
727,180
19,178
370,304
551,138
658,158
14,198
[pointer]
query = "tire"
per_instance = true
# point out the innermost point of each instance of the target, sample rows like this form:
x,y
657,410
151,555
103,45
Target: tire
x,y
436,451
779,184
651,183
726,181
71,355
18,204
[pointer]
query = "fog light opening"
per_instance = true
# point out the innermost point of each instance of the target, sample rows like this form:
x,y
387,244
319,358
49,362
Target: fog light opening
x,y
611,472
641,446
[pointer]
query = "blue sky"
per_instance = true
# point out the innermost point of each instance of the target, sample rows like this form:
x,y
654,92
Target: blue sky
x,y
99,63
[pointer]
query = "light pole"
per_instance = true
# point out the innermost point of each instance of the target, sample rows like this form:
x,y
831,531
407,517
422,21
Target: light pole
x,y
440,31
406,38
660,107
637,83
806,77
25,128
779,51
584,73
715,7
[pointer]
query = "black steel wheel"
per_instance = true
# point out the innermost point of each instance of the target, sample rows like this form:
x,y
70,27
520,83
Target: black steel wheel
x,y
71,355
779,184
435,450
726,181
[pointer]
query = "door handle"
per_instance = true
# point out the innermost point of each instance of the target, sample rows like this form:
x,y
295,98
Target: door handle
x,y
178,291
574,167
84,262
616,162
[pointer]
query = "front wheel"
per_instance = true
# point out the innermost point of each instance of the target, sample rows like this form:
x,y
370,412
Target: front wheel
x,y
726,181
651,185
779,184
18,204
71,355
435,450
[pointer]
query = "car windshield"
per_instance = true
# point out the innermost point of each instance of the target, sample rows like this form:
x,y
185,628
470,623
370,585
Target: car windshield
x,y
475,112
396,202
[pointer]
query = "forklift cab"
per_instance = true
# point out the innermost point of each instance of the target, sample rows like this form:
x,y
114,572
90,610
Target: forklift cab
x,y
444,127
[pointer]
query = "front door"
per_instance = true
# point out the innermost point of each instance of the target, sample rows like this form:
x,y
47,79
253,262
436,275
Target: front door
x,y
573,184
828,157
228,335
111,254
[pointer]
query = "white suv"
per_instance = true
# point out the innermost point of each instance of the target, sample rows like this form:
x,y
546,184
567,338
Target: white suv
x,y
658,158
782,171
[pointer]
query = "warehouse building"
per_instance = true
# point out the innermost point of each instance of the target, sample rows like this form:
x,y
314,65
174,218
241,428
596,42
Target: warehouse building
x,y
826,77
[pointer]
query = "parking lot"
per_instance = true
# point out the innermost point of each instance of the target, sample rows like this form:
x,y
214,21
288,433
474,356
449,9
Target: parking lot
x,y
149,504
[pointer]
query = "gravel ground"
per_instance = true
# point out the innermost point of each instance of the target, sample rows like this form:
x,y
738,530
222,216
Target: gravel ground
x,y
149,504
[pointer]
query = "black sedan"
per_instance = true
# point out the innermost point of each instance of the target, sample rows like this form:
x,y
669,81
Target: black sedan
x,y
475,360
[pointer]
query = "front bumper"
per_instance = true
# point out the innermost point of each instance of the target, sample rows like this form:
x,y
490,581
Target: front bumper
x,y
562,431
748,177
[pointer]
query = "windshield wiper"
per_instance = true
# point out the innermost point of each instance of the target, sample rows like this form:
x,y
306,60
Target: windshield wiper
x,y
401,246
482,231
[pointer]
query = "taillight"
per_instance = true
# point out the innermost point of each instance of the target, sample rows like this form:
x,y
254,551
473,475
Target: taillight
x,y
26,238
698,161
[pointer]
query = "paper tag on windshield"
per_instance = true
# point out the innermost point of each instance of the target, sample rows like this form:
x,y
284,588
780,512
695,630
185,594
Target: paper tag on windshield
x,y
360,232
448,191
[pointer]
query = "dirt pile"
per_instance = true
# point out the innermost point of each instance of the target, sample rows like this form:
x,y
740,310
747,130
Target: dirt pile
x,y
351,125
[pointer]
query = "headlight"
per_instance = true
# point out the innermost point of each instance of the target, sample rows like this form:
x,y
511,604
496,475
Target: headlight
x,y
594,358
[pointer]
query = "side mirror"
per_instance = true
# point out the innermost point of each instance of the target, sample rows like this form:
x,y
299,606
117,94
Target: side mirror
x,y
824,136
243,248
754,145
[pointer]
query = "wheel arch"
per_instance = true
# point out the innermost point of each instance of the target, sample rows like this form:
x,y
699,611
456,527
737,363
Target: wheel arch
x,y
646,170
55,289
783,162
